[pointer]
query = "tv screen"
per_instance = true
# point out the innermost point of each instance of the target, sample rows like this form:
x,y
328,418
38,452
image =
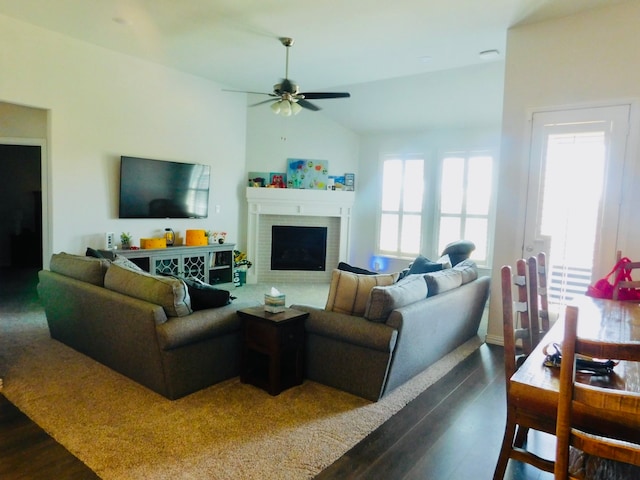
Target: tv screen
x,y
162,189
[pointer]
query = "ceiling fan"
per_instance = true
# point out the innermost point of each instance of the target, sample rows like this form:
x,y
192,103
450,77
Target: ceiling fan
x,y
287,99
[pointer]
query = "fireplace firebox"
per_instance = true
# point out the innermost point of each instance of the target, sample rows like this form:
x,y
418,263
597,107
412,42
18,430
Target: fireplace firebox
x,y
298,248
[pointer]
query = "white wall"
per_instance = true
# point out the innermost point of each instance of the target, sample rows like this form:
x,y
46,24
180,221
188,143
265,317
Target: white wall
x,y
581,59
271,139
102,105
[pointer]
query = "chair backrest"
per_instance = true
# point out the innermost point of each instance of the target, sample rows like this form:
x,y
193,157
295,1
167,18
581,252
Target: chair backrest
x,y
599,401
543,307
518,324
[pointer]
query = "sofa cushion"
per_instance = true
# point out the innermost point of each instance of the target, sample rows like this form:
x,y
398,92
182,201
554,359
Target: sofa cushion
x,y
382,300
423,265
349,292
171,293
468,269
87,269
438,282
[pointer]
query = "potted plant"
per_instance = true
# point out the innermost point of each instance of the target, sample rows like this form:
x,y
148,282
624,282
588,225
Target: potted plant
x,y
242,264
125,240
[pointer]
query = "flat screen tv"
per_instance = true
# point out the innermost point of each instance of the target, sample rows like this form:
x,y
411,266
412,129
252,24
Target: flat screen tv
x,y
163,189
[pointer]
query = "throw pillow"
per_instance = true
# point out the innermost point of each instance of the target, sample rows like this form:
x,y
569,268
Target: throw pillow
x,y
349,292
445,260
86,269
439,282
459,250
126,263
205,296
423,265
92,252
382,300
349,268
170,293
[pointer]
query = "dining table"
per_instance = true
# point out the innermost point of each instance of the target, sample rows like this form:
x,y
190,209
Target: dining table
x,y
534,387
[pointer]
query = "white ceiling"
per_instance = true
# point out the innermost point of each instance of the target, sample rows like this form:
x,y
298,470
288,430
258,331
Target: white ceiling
x,y
339,44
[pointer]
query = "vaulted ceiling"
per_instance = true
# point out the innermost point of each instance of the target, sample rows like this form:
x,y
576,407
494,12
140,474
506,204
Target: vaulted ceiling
x,y
406,55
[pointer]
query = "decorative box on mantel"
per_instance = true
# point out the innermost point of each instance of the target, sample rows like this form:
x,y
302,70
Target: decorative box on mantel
x,y
296,202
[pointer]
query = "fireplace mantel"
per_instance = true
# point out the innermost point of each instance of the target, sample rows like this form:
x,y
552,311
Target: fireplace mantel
x,y
296,202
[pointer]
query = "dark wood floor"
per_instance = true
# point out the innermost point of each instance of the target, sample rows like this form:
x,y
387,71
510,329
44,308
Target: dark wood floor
x,y
451,431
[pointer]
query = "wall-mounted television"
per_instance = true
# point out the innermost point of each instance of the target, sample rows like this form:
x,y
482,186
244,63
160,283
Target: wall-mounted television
x,y
162,189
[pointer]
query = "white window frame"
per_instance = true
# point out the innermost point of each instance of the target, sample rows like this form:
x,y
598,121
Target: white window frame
x,y
398,254
490,216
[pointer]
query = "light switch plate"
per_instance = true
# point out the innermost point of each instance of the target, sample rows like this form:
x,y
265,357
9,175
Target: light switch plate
x,y
110,241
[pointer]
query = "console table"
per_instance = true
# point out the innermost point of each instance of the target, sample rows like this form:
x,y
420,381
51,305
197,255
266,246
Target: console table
x,y
210,263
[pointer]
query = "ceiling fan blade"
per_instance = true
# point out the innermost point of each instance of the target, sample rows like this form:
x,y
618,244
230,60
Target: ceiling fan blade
x,y
245,91
321,95
308,105
263,102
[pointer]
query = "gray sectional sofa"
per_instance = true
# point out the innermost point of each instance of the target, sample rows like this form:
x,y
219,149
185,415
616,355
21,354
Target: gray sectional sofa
x,y
374,334
154,339
395,329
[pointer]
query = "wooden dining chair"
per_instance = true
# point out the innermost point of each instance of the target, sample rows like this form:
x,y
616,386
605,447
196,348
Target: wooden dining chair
x,y
518,324
543,305
525,321
602,402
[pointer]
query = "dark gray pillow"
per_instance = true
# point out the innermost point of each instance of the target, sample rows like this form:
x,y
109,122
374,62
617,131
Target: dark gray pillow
x,y
345,267
459,250
205,296
423,265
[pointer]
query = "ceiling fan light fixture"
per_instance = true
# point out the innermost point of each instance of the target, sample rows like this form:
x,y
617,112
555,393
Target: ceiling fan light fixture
x,y
295,108
275,107
285,108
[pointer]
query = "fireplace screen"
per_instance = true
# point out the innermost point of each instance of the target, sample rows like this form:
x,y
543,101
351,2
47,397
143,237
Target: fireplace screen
x,y
298,248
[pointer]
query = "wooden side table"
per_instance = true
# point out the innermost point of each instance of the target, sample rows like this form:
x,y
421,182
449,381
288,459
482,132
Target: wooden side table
x,y
273,348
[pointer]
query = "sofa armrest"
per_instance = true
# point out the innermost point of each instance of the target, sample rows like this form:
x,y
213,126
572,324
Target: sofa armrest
x,y
346,352
350,329
200,325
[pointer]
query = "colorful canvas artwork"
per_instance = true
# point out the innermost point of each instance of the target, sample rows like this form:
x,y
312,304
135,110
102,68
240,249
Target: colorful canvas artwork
x,y
338,182
258,179
278,180
307,174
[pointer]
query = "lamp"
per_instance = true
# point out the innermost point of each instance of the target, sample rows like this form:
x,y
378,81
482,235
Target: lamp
x,y
286,108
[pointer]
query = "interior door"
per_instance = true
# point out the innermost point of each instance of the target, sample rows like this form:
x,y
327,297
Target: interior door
x,y
574,193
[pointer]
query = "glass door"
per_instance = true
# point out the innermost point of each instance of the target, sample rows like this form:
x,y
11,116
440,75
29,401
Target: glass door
x,y
574,194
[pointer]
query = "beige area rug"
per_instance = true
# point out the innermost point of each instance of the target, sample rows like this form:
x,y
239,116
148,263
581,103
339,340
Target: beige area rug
x,y
121,430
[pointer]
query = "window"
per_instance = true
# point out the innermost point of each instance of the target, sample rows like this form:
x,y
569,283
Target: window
x,y
401,208
465,201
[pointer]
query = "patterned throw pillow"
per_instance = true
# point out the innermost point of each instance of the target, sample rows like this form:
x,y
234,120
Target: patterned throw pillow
x,y
349,292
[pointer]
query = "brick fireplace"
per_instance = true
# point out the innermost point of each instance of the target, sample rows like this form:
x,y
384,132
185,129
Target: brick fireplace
x,y
283,206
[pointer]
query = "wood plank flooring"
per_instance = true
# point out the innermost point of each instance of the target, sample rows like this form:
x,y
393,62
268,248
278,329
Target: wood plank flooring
x,y
451,431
